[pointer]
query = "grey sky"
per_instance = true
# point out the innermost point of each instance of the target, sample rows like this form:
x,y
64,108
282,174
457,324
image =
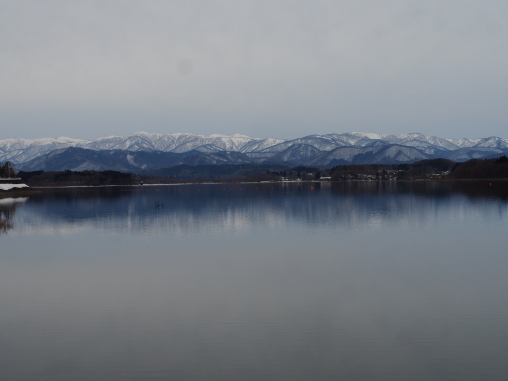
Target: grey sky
x,y
87,69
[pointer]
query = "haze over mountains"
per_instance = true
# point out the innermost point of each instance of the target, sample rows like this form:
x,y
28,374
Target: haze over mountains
x,y
142,152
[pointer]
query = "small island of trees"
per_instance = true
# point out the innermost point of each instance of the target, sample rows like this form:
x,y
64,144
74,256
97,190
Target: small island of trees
x,y
7,171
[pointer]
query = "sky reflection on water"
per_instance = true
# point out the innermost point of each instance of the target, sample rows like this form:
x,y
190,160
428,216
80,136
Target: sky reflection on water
x,y
251,282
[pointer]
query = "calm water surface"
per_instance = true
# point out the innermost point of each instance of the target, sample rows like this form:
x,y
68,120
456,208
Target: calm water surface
x,y
356,281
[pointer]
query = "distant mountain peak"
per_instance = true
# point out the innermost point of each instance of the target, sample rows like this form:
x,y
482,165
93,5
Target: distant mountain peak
x,y
370,135
347,147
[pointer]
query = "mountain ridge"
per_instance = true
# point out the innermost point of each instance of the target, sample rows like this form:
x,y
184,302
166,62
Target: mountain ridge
x,y
317,150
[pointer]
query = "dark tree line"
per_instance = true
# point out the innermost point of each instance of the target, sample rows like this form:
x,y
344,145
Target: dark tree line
x,y
481,169
426,169
7,171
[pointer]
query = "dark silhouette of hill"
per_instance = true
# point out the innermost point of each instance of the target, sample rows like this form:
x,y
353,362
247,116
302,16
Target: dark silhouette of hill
x,y
481,169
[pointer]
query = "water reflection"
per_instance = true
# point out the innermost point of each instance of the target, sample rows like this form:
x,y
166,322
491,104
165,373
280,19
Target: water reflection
x,y
7,211
349,281
219,208
486,189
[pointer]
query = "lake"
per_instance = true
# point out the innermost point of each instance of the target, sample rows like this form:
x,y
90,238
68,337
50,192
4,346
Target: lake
x,y
294,281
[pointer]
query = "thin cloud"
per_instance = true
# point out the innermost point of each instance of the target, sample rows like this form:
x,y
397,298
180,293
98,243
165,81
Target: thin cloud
x,y
283,69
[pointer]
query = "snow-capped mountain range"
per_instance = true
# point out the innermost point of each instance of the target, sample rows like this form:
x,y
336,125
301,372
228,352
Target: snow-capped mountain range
x,y
142,150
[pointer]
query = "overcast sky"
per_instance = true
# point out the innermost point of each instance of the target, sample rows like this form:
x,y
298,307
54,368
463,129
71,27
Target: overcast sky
x,y
277,68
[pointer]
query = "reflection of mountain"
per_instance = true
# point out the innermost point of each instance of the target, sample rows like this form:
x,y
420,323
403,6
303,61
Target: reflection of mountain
x,y
238,207
7,210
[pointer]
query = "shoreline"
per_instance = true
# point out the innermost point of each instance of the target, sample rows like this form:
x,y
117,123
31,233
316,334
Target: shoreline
x,y
39,189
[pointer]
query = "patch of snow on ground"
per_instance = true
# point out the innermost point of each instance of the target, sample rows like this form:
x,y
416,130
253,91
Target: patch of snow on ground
x,y
7,187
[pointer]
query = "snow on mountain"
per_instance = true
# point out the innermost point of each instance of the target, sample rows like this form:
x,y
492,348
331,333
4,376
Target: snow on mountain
x,y
77,159
369,135
388,154
340,155
464,143
257,145
464,154
422,142
178,142
492,142
400,154
297,154
22,150
322,149
320,142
